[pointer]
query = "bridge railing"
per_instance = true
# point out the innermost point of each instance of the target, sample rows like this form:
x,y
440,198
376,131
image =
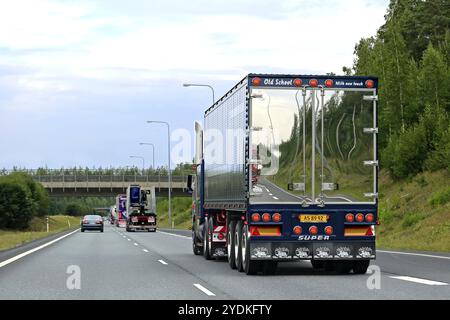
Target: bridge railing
x,y
108,178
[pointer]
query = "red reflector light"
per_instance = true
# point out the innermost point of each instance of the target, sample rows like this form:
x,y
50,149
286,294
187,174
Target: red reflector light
x,y
266,217
298,82
265,231
220,236
256,217
370,83
369,232
297,230
369,217
313,230
349,217
276,217
328,230
313,82
329,83
360,217
256,81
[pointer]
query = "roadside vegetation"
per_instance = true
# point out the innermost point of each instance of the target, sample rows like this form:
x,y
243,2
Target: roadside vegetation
x,y
37,229
181,212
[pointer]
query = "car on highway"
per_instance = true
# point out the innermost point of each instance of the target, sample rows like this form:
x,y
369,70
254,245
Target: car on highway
x,y
92,222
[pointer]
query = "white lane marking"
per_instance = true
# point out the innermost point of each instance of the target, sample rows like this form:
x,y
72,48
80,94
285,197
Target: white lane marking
x,y
270,194
10,260
204,290
175,235
415,254
128,239
418,280
145,250
163,262
135,244
275,198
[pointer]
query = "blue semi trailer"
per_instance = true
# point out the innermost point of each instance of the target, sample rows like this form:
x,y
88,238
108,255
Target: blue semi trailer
x,y
286,170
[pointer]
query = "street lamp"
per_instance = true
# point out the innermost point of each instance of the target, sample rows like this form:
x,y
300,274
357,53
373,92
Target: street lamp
x,y
170,174
201,85
143,161
153,147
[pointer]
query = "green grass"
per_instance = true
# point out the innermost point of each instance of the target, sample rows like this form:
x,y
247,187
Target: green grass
x,y
10,239
415,213
181,212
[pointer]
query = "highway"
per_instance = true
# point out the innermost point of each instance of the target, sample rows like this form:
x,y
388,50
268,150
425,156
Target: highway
x,y
120,265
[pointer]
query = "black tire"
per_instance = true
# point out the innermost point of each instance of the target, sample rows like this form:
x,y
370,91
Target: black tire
x,y
269,267
206,249
238,246
360,266
317,264
195,248
230,244
101,230
343,267
250,267
82,230
329,266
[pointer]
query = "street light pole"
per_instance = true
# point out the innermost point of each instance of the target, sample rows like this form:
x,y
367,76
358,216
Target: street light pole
x,y
170,174
201,85
153,148
143,161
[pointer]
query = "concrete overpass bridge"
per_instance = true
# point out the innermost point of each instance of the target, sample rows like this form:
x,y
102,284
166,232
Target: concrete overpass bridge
x,y
108,185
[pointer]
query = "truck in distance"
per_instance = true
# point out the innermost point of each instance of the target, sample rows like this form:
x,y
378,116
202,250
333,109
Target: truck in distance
x,y
121,210
141,209
286,170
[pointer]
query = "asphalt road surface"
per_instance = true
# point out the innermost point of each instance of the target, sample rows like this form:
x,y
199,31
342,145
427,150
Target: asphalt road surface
x,y
121,265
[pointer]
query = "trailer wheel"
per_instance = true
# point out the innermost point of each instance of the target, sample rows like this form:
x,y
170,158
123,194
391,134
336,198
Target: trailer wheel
x,y
250,266
195,248
317,264
238,246
360,267
206,248
230,244
343,267
269,267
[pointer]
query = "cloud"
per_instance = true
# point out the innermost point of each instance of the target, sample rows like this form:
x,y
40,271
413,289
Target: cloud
x,y
95,60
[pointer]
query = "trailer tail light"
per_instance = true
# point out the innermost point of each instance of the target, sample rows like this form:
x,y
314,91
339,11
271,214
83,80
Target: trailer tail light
x,y
370,83
297,230
359,217
328,230
220,236
349,217
298,82
369,217
256,217
356,231
266,217
313,82
256,81
276,217
265,231
329,83
313,230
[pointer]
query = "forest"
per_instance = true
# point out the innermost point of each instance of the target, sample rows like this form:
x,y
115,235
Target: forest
x,y
410,55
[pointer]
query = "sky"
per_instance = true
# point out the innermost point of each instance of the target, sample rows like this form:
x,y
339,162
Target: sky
x,y
79,79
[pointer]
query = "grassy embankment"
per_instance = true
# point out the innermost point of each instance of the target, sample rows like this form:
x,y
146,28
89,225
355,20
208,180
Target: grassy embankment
x,y
414,213
10,239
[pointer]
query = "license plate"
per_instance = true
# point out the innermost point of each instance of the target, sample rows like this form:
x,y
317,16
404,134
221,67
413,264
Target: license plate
x,y
316,218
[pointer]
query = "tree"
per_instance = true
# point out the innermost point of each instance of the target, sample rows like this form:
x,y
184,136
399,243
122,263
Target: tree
x,y
16,206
